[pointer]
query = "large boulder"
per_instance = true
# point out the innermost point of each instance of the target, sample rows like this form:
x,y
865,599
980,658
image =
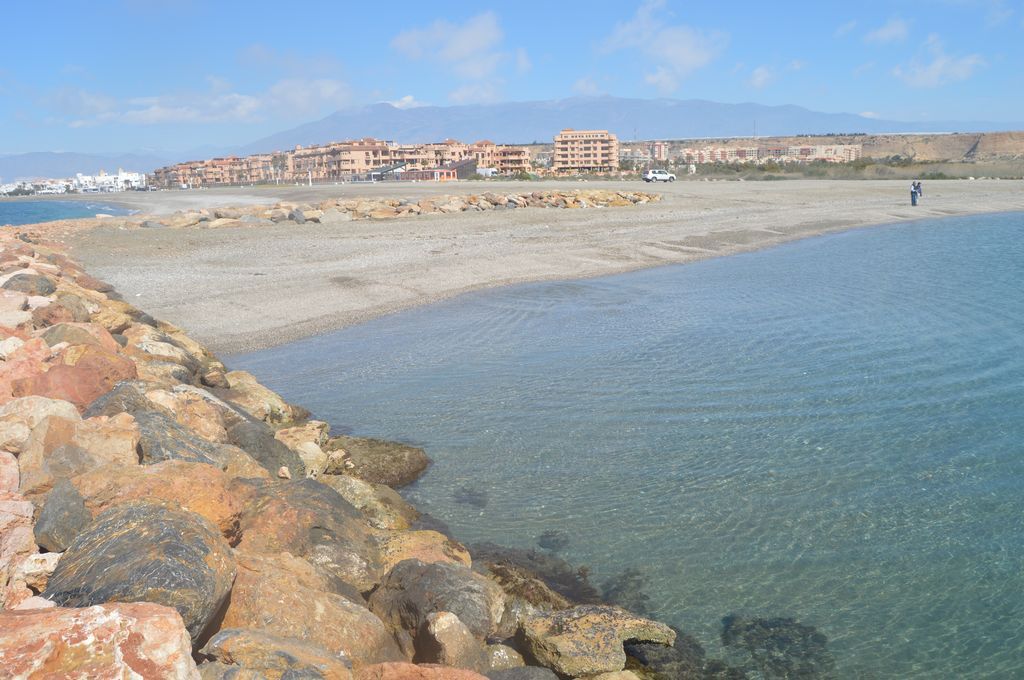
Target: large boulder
x,y
124,640
310,520
588,639
30,284
80,334
286,597
60,448
413,590
194,487
275,657
145,552
84,372
379,461
163,438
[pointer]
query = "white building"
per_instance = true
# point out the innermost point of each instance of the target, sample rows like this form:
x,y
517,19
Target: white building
x,y
122,181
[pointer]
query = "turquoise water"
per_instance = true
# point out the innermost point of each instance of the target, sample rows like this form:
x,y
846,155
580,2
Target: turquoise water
x,y
30,212
831,430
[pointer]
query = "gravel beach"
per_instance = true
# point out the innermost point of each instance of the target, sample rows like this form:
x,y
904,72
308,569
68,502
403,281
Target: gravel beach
x,y
247,288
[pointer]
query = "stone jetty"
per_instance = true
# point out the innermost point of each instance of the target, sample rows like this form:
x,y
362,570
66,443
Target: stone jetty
x,y
162,516
338,211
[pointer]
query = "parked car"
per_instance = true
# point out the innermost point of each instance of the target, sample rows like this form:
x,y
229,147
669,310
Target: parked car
x,y
659,176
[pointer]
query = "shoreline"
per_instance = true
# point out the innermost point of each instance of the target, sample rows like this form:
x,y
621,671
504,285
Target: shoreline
x,y
243,289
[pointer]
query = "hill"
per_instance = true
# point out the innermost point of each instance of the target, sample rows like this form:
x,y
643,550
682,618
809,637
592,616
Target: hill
x,y
538,121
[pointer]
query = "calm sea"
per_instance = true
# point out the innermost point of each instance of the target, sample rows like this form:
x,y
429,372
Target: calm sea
x,y
831,431
30,212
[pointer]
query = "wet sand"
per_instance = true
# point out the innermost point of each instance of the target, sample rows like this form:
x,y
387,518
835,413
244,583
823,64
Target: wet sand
x,y
244,289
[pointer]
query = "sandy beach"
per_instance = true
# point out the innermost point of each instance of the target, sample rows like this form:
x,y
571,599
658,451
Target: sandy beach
x,y
242,289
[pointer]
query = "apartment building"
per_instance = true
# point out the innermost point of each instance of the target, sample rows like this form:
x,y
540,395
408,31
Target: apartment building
x,y
339,161
585,151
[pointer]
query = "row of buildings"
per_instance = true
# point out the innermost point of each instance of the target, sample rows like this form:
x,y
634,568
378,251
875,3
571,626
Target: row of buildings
x,y
578,151
359,159
573,152
83,184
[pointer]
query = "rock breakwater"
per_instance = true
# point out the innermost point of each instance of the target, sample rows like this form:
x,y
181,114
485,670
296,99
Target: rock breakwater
x,y
164,517
338,211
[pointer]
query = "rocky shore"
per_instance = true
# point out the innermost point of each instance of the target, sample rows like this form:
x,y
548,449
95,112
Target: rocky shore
x,y
337,211
164,517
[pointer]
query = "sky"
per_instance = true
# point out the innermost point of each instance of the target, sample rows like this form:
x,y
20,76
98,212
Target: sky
x,y
149,75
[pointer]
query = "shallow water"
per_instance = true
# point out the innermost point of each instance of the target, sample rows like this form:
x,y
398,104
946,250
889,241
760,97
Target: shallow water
x,y
830,430
31,212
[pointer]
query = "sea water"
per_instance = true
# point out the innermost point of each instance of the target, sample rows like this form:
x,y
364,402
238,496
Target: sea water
x,y
31,212
831,431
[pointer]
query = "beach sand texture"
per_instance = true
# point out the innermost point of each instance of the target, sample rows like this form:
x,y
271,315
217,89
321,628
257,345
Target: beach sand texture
x,y
242,289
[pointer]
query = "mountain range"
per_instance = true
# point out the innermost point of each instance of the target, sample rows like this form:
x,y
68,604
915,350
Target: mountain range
x,y
513,123
539,121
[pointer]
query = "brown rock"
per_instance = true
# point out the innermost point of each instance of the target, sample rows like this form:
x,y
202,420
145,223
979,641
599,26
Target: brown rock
x,y
276,596
194,412
257,400
588,639
382,462
445,640
275,657
84,373
80,334
61,448
308,519
136,640
409,671
114,321
429,547
503,657
195,487
382,506
32,410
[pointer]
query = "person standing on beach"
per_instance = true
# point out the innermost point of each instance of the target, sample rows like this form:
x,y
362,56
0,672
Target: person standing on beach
x,y
920,191
913,193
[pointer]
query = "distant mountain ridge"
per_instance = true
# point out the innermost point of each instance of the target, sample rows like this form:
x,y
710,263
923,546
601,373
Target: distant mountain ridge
x,y
65,164
525,122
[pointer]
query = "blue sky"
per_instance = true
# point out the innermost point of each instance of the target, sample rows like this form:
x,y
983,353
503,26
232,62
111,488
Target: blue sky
x,y
139,74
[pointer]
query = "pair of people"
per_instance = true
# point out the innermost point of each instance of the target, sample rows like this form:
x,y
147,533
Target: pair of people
x,y
915,192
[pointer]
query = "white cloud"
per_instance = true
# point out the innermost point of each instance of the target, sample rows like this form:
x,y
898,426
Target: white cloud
x,y
218,103
894,30
845,28
587,87
761,76
468,48
675,50
407,102
868,114
523,63
932,67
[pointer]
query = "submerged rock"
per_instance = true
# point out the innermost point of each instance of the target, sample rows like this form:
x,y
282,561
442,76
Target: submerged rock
x,y
780,647
144,552
382,462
